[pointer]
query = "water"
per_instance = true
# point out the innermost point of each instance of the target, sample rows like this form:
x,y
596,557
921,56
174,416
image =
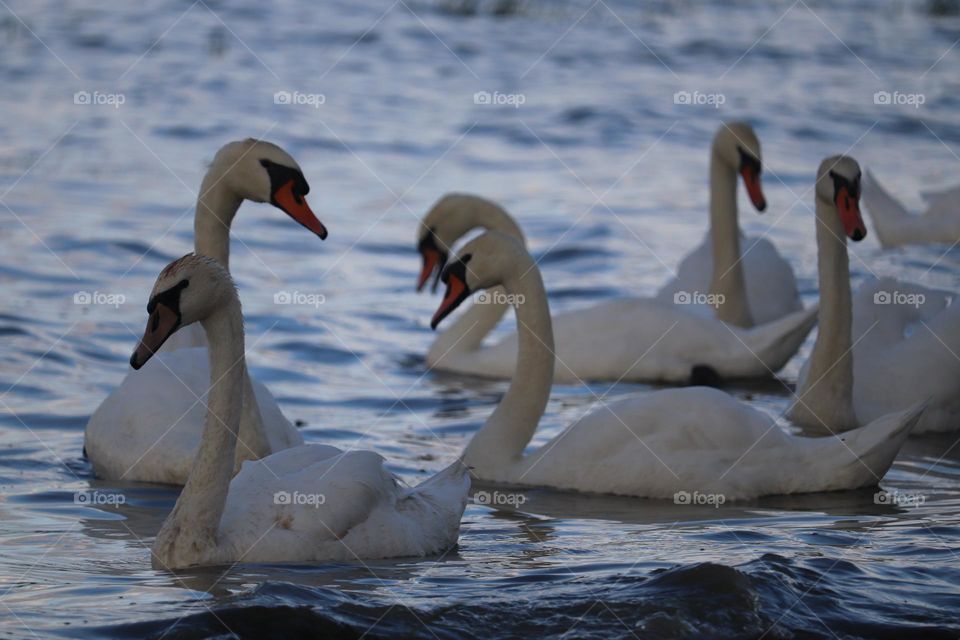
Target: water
x,y
608,177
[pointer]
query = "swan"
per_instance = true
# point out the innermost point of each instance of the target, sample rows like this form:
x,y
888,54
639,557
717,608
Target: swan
x,y
634,339
896,226
304,504
148,429
758,284
655,444
893,345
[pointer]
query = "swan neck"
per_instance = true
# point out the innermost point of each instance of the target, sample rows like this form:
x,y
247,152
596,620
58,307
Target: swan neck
x,y
830,375
512,424
195,519
467,333
217,204
728,277
485,214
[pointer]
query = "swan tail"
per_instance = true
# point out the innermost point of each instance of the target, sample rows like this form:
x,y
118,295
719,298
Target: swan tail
x,y
887,212
438,503
773,343
875,445
449,485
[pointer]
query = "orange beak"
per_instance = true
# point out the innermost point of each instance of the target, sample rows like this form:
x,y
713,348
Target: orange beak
x,y
297,208
431,258
849,208
161,324
751,180
457,292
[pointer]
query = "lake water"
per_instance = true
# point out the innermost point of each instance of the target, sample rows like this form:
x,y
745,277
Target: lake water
x,y
587,147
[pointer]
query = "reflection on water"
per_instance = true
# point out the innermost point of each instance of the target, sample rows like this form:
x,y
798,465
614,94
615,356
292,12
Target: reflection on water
x,y
608,177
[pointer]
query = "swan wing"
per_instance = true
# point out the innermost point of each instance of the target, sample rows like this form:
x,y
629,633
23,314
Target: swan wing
x,y
320,503
895,225
701,440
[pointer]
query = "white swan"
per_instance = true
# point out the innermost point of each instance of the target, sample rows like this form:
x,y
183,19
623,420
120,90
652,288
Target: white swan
x,y
307,503
896,226
148,429
623,339
892,346
652,444
757,282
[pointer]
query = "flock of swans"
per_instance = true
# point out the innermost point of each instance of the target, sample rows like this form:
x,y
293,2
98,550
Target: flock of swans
x,y
877,373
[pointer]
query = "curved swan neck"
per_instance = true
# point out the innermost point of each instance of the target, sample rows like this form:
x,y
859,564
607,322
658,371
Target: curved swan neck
x,y
217,204
469,330
828,398
473,212
728,278
193,524
514,421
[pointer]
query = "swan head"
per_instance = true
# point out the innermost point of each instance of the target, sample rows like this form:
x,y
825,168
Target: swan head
x,y
188,290
838,183
261,171
484,262
736,144
449,219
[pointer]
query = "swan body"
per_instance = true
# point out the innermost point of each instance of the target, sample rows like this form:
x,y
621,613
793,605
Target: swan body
x,y
652,444
366,512
633,339
120,440
771,286
307,503
120,445
896,226
899,339
758,283
918,343
641,339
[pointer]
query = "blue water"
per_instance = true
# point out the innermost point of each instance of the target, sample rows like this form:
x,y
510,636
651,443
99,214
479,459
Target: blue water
x,y
607,176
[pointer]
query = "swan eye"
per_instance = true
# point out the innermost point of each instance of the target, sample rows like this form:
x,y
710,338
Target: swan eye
x,y
840,182
747,161
429,241
169,298
459,268
281,175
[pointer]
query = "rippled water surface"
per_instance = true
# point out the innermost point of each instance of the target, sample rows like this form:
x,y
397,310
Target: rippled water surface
x,y
607,176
